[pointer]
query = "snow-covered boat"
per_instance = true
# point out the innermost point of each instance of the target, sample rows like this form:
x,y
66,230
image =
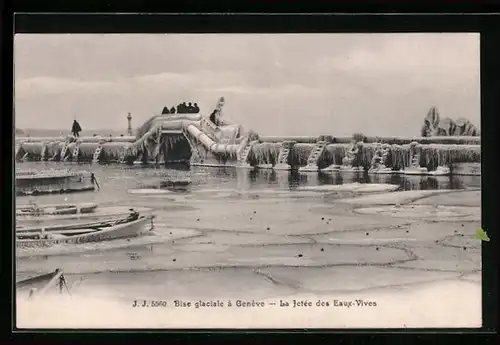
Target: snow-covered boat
x,y
53,181
54,209
40,284
132,226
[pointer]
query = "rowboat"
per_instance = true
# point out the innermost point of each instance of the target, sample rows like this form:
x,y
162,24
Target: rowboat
x,y
29,175
40,284
101,214
56,181
132,226
72,225
54,209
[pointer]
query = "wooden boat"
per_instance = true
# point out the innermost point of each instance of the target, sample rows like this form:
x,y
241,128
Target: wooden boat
x,y
29,175
132,226
50,182
100,215
44,191
40,284
72,226
54,209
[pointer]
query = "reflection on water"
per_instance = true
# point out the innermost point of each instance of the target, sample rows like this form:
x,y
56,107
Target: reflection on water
x,y
293,179
119,177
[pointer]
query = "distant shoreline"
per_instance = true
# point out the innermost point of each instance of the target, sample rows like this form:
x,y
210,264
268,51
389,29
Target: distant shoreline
x,y
33,132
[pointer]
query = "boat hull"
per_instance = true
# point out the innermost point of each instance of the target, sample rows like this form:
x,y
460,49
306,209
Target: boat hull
x,y
54,191
132,229
39,183
54,210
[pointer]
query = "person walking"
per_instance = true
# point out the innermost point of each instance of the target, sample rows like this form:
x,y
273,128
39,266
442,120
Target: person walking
x,y
76,129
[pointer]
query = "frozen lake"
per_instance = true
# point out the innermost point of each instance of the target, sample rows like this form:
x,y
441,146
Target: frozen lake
x,y
405,243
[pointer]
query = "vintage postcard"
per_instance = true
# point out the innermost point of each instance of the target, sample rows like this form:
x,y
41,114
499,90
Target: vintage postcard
x,y
248,181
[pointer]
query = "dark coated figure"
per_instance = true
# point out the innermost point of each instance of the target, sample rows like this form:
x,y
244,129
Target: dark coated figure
x,y
172,110
76,129
182,108
165,110
196,109
190,108
212,116
93,180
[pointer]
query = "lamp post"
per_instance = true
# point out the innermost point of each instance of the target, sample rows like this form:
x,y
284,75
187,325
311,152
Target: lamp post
x,y
129,119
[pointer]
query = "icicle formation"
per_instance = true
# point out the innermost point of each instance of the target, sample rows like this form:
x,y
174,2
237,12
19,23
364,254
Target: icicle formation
x,y
380,160
169,141
53,149
443,155
112,152
87,151
301,152
266,153
335,153
400,156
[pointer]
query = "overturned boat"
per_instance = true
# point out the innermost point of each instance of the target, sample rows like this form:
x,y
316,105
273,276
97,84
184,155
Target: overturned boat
x,y
35,210
53,181
131,226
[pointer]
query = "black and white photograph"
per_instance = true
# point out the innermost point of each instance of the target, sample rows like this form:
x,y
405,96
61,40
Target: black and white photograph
x,y
176,181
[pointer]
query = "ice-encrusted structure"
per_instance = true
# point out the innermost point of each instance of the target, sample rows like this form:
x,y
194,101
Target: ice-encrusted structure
x,y
211,140
434,125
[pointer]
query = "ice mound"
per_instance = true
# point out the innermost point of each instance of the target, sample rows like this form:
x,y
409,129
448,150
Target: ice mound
x,y
353,187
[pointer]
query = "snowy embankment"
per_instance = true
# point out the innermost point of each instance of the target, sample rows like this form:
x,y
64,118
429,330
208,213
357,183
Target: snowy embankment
x,y
459,306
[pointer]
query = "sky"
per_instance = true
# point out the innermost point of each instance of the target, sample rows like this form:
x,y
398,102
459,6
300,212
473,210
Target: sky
x,y
281,84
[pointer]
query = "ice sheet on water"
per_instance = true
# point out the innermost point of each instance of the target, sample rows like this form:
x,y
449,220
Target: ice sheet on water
x,y
423,211
352,187
148,191
401,197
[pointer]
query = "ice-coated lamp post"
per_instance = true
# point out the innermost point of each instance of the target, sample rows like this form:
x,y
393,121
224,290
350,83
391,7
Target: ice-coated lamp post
x,y
129,119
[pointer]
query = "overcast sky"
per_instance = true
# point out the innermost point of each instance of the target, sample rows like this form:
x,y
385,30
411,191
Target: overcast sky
x,y
301,84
